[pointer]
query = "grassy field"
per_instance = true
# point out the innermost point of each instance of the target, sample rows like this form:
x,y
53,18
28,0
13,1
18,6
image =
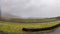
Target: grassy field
x,y
25,23
17,27
29,20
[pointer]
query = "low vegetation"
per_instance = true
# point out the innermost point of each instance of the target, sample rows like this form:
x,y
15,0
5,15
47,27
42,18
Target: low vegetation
x,y
17,27
29,20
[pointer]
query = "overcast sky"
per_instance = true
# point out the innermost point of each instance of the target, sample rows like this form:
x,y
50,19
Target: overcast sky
x,y
30,8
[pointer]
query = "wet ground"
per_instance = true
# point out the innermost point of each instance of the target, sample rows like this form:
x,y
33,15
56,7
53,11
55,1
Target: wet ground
x,y
57,31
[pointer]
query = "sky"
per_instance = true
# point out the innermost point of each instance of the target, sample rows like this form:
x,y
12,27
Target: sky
x,y
30,8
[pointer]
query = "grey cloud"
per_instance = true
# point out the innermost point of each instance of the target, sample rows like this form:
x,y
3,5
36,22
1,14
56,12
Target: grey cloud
x,y
31,8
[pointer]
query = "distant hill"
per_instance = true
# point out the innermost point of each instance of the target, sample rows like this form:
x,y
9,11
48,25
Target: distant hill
x,y
11,18
20,20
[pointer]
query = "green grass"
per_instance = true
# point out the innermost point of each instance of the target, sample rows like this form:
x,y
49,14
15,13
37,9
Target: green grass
x,y
30,20
17,27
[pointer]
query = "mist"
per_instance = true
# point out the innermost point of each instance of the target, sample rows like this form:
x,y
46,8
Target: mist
x,y
30,8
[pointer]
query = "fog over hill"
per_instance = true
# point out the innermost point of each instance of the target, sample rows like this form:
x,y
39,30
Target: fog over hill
x,y
30,8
